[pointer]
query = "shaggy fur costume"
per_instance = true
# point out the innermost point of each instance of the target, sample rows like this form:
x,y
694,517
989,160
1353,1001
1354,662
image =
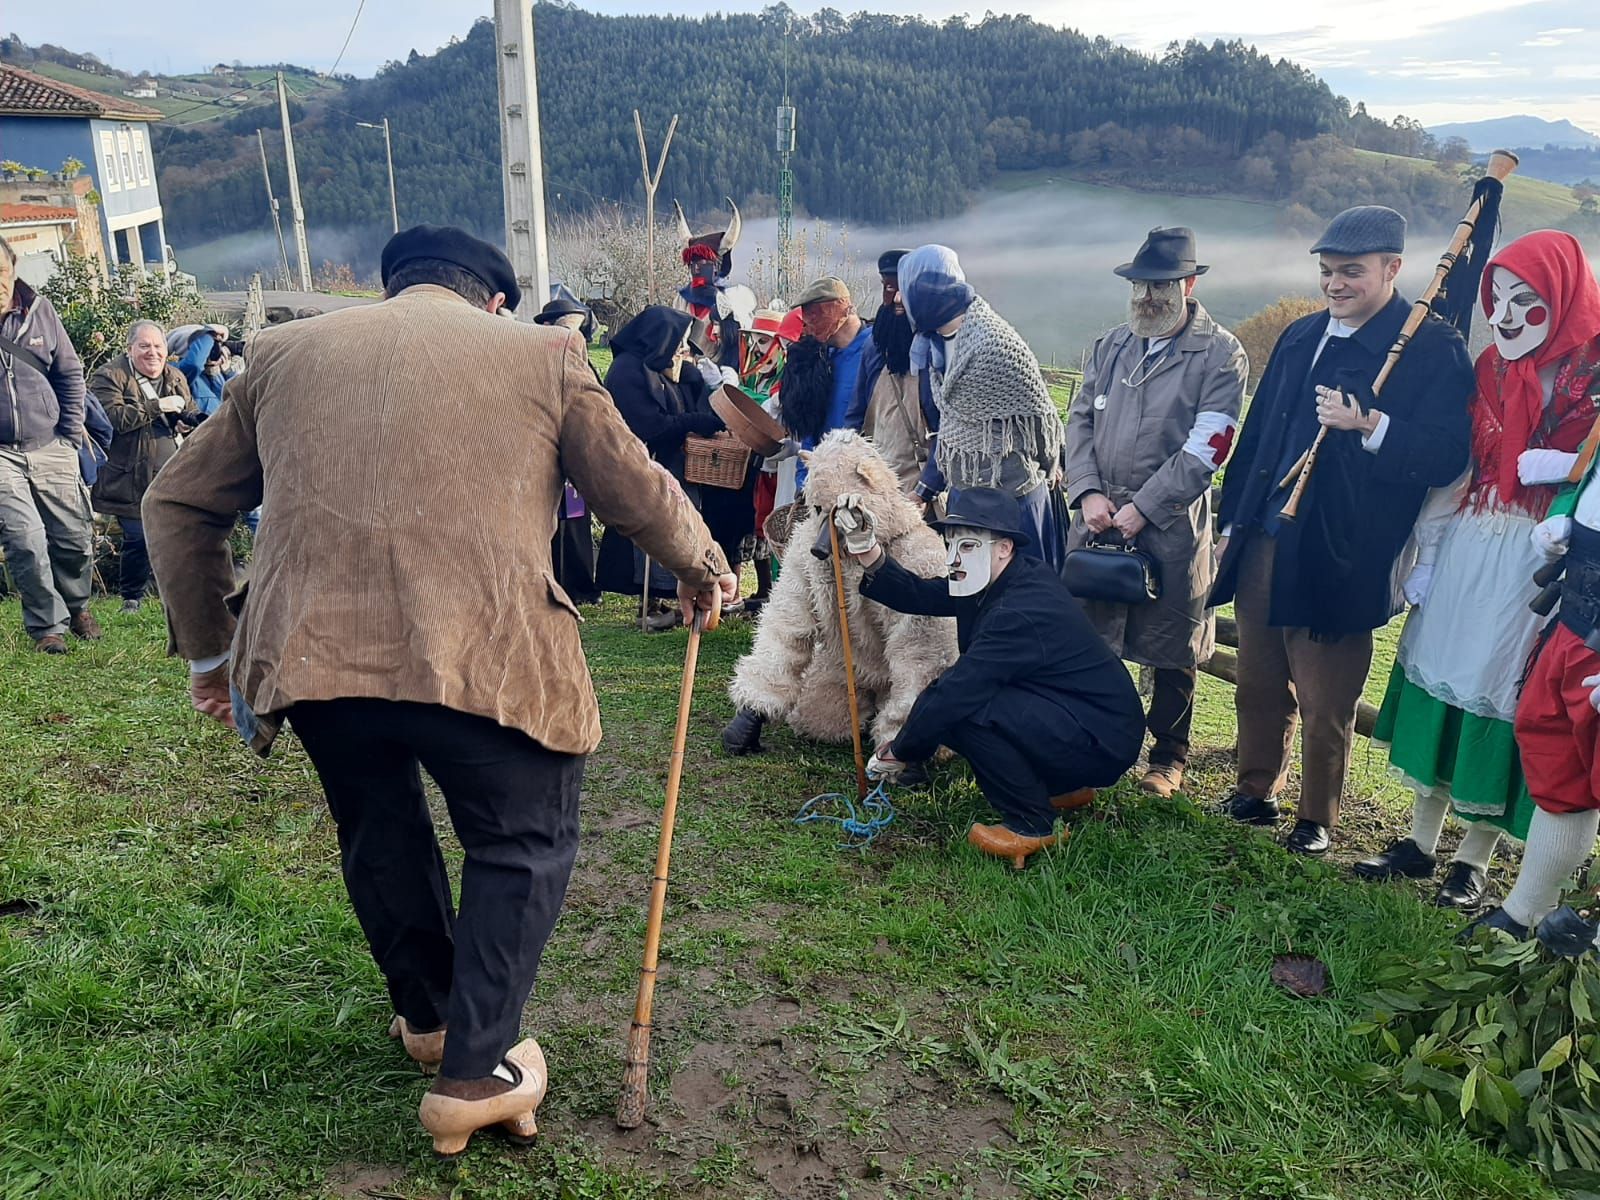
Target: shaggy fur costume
x,y
795,670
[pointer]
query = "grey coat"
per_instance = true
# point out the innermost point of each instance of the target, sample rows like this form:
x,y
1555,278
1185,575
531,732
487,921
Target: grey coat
x,y
1129,444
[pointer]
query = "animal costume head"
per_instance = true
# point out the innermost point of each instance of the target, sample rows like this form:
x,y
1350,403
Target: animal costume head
x,y
845,462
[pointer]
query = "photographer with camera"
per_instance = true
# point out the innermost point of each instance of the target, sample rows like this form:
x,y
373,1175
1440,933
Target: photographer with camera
x,y
151,411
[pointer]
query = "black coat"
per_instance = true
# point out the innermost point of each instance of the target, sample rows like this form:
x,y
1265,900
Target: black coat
x,y
661,413
1336,570
1029,658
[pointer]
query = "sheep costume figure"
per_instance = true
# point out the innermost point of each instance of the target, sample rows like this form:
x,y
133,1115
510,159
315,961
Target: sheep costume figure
x,y
795,669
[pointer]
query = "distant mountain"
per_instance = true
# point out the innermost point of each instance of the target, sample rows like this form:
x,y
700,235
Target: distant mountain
x,y
1514,132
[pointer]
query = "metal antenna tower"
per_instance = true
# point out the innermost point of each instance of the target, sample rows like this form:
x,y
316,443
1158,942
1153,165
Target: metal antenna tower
x,y
785,177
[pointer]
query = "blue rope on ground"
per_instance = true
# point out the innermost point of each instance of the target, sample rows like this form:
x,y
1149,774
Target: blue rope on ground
x,y
862,825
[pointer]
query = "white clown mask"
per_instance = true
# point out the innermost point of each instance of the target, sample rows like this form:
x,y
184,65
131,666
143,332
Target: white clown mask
x,y
969,561
1520,316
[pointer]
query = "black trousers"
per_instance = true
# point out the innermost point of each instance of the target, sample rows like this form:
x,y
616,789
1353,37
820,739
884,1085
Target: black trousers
x,y
514,805
1018,774
1171,714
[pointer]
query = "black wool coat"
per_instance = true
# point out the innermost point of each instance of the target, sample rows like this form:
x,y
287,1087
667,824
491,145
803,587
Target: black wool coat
x,y
1031,664
1337,568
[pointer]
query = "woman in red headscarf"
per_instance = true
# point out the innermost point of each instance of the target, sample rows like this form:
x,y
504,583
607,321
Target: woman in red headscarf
x,y
1452,696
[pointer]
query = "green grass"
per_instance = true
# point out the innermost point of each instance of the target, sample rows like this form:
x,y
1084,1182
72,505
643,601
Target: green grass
x,y
182,110
1528,204
191,1011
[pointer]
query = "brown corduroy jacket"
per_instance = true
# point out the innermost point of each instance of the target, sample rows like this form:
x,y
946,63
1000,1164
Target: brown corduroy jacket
x,y
408,457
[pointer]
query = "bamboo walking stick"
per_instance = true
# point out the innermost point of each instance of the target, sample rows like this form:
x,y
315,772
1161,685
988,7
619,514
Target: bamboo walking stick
x,y
1501,164
849,660
636,1074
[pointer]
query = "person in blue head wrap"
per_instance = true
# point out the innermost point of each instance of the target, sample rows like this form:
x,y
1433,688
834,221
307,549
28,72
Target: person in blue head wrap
x,y
994,423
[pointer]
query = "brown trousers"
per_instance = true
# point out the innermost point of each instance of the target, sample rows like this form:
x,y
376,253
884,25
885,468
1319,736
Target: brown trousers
x,y
1284,676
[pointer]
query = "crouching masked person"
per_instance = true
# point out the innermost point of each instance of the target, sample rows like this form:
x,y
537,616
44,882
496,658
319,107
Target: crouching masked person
x,y
1036,703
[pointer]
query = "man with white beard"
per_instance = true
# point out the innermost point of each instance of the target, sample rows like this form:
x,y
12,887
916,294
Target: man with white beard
x,y
1148,430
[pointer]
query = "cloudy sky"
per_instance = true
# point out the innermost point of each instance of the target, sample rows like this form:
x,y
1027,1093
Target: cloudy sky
x,y
1430,59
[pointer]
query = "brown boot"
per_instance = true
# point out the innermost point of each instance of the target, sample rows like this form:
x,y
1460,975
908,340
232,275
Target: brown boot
x,y
50,643
1000,842
1162,779
1068,801
425,1049
86,627
452,1121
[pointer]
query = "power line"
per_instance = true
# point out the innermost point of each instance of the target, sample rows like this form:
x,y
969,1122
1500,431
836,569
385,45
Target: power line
x,y
347,38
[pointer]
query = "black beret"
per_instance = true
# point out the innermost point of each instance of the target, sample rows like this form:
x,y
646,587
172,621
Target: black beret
x,y
446,243
889,261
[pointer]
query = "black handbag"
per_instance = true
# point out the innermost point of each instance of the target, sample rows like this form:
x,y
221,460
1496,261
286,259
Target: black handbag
x,y
1114,572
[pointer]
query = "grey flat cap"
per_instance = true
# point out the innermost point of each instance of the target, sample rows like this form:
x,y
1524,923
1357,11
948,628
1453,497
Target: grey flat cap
x,y
1364,229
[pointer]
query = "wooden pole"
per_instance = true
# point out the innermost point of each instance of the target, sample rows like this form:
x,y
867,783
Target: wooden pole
x,y
636,1073
298,214
651,182
849,659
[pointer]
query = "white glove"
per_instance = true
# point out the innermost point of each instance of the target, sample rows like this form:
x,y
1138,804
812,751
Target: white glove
x,y
709,371
1419,583
1551,536
887,772
855,523
1593,683
172,404
787,448
729,375
1544,466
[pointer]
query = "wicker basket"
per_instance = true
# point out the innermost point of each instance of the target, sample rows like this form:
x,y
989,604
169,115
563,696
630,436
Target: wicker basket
x,y
781,522
718,461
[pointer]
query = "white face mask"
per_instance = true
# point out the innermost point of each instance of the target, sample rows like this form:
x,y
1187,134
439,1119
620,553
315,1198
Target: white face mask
x,y
970,554
1520,316
1155,307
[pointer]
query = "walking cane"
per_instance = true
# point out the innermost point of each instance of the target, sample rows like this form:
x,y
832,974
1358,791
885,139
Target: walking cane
x,y
635,1076
644,596
849,659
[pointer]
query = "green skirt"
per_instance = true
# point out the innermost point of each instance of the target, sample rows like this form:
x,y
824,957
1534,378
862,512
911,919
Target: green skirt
x,y
1432,745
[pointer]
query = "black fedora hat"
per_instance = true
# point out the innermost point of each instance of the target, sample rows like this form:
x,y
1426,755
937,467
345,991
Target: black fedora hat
x,y
985,508
1166,254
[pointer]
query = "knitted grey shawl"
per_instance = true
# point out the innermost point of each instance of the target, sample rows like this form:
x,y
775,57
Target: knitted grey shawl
x,y
992,402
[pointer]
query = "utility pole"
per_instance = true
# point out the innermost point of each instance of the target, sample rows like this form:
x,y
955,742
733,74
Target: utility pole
x,y
651,182
786,143
523,179
302,251
388,153
272,202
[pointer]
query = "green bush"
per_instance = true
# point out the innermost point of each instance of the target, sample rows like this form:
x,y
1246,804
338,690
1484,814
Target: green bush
x,y
98,312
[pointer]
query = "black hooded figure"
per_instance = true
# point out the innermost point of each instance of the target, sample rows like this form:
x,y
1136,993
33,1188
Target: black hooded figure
x,y
662,412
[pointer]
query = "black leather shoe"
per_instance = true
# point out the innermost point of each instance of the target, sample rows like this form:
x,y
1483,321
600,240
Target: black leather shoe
x,y
1567,934
1307,837
1252,810
742,735
1495,918
1401,857
1462,888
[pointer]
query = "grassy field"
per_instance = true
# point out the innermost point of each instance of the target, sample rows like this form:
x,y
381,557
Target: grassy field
x,y
1528,204
187,1008
180,110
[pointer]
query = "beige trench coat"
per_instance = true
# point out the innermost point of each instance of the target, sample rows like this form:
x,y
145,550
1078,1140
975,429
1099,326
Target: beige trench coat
x,y
1127,442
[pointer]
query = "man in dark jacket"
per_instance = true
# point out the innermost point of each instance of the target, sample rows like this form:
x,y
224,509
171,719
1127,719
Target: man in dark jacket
x,y
1309,591
1037,704
46,527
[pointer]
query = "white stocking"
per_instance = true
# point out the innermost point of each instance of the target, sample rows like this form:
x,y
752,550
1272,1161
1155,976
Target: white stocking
x,y
1427,819
1557,844
1478,845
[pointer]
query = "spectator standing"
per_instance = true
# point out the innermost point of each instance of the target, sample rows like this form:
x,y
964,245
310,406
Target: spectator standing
x,y
147,401
46,527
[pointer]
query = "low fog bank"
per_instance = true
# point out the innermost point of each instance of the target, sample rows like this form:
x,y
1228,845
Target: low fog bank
x,y
1042,255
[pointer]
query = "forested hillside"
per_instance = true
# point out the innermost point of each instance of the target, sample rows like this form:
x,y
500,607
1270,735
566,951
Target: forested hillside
x,y
899,119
